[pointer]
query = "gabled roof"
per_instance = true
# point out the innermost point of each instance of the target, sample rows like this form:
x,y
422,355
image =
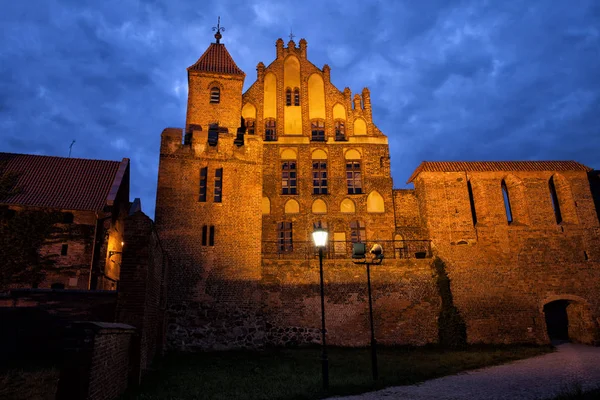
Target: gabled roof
x,y
63,183
487,166
217,59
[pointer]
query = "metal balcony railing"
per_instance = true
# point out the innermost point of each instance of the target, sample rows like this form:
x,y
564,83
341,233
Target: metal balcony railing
x,y
392,249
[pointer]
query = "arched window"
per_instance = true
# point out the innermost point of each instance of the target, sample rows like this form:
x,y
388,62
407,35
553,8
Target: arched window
x,y
270,130
340,130
375,203
296,96
555,203
507,208
472,202
318,130
215,95
288,97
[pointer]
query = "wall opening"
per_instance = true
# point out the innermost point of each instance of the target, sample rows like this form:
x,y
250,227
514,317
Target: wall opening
x,y
569,319
557,320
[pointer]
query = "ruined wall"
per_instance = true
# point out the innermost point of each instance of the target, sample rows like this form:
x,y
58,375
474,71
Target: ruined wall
x,y
502,274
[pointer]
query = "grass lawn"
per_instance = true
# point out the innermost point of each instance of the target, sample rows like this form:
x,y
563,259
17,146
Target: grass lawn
x,y
296,373
29,383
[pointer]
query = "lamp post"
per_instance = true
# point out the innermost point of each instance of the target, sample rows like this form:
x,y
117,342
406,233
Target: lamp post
x,y
359,256
320,239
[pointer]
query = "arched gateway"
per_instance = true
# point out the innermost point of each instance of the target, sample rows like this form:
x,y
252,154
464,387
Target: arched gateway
x,y
568,318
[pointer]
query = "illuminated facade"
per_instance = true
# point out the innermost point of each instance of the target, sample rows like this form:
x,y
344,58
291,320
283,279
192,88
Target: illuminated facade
x,y
242,187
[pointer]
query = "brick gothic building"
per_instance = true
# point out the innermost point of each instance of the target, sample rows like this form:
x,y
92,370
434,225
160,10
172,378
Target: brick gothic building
x,y
242,187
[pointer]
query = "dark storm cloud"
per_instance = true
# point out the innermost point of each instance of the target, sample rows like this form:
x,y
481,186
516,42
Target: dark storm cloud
x,y
460,80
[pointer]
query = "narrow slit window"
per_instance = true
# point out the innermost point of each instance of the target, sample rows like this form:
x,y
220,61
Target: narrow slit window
x,y
296,97
203,177
218,185
509,217
319,173
215,95
204,235
472,203
554,199
288,97
211,236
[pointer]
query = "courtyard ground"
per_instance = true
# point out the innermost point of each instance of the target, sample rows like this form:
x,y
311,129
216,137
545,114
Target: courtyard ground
x,y
296,373
565,374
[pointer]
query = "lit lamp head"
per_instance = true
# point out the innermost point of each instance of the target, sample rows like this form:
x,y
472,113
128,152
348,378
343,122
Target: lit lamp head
x,y
320,237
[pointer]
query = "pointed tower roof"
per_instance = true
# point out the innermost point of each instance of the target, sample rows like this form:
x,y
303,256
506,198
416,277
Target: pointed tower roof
x,y
216,58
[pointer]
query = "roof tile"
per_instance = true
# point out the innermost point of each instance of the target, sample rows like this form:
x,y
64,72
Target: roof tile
x,y
216,59
486,166
61,183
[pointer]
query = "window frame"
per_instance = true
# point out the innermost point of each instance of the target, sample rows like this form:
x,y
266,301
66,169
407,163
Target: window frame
x,y
270,130
320,184
317,130
285,237
215,95
218,192
203,186
358,231
296,97
289,177
288,97
250,126
354,176
340,134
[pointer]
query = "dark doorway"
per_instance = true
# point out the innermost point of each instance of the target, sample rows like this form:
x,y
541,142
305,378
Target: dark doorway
x,y
557,320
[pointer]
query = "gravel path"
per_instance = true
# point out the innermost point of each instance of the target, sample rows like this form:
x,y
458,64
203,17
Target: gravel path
x,y
539,377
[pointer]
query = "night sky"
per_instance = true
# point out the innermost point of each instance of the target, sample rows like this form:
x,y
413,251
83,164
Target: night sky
x,y
449,80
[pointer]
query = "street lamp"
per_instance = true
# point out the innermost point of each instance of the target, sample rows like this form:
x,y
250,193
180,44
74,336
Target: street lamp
x,y
320,239
359,256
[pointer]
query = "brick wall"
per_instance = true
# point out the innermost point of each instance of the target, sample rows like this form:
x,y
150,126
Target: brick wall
x,y
97,361
502,274
33,320
142,288
245,292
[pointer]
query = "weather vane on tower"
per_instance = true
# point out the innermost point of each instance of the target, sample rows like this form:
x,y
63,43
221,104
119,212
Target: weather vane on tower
x,y
219,29
292,36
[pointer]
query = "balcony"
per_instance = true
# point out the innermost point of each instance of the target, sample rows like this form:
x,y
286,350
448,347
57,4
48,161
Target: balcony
x,y
392,249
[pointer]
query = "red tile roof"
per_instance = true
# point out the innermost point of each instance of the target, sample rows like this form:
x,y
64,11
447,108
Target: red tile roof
x,y
217,59
63,183
486,166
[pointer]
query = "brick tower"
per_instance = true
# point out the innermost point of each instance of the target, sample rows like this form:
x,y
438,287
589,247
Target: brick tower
x,y
209,195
